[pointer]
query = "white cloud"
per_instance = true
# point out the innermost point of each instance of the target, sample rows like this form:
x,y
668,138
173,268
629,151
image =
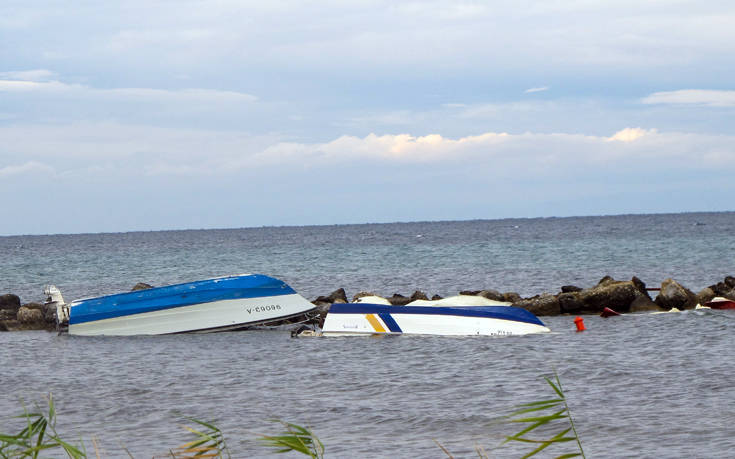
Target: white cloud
x,y
29,168
707,97
539,89
28,86
125,150
191,94
28,75
629,134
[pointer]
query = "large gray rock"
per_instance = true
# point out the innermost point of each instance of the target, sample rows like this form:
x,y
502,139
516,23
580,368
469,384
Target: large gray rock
x,y
8,314
31,317
48,310
674,295
545,304
620,296
38,306
10,302
609,293
337,296
570,303
705,295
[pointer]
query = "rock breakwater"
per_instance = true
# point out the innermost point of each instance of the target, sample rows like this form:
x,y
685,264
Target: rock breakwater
x,y
628,296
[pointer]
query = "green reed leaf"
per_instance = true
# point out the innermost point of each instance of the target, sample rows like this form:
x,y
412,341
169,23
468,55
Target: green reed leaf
x,y
294,438
553,419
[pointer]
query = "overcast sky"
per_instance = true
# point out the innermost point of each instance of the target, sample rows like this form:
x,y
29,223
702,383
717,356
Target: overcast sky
x,y
208,114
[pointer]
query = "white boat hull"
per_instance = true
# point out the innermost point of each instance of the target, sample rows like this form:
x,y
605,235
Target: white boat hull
x,y
386,320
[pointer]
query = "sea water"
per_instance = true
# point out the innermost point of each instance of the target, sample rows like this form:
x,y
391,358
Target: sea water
x,y
637,385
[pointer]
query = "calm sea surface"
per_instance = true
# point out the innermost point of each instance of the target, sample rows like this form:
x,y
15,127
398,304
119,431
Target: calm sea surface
x,y
638,385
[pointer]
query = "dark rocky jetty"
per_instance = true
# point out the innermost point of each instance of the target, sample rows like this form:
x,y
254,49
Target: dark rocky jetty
x,y
621,296
628,296
29,316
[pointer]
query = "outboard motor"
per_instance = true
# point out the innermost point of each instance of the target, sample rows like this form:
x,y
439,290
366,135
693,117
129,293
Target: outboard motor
x,y
53,296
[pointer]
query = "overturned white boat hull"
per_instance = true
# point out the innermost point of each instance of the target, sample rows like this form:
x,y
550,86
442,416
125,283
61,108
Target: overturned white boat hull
x,y
218,304
378,319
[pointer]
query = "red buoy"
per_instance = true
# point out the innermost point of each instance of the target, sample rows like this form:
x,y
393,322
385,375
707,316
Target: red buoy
x,y
579,322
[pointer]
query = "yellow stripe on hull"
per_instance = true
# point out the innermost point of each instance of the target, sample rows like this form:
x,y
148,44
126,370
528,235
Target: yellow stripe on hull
x,y
375,323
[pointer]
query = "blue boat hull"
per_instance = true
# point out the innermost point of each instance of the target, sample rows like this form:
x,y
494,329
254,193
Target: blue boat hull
x,y
208,305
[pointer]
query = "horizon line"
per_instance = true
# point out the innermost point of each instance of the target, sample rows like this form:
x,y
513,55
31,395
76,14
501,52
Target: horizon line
x,y
366,223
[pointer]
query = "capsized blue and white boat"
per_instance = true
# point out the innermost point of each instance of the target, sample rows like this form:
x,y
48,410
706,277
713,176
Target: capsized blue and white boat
x,y
217,304
447,317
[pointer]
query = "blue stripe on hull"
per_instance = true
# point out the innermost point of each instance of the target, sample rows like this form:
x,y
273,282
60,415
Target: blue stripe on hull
x,y
495,312
390,322
175,296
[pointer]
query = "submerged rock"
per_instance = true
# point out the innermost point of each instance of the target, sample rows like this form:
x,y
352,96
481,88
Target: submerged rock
x,y
399,300
643,304
491,294
418,295
362,294
141,286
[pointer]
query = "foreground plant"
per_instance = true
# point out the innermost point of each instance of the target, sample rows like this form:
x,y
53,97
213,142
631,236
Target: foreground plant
x,y
294,438
560,414
209,442
39,434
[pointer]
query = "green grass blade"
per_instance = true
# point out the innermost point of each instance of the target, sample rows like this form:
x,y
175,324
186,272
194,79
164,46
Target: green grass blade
x,y
536,408
294,438
542,402
539,419
544,419
556,388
